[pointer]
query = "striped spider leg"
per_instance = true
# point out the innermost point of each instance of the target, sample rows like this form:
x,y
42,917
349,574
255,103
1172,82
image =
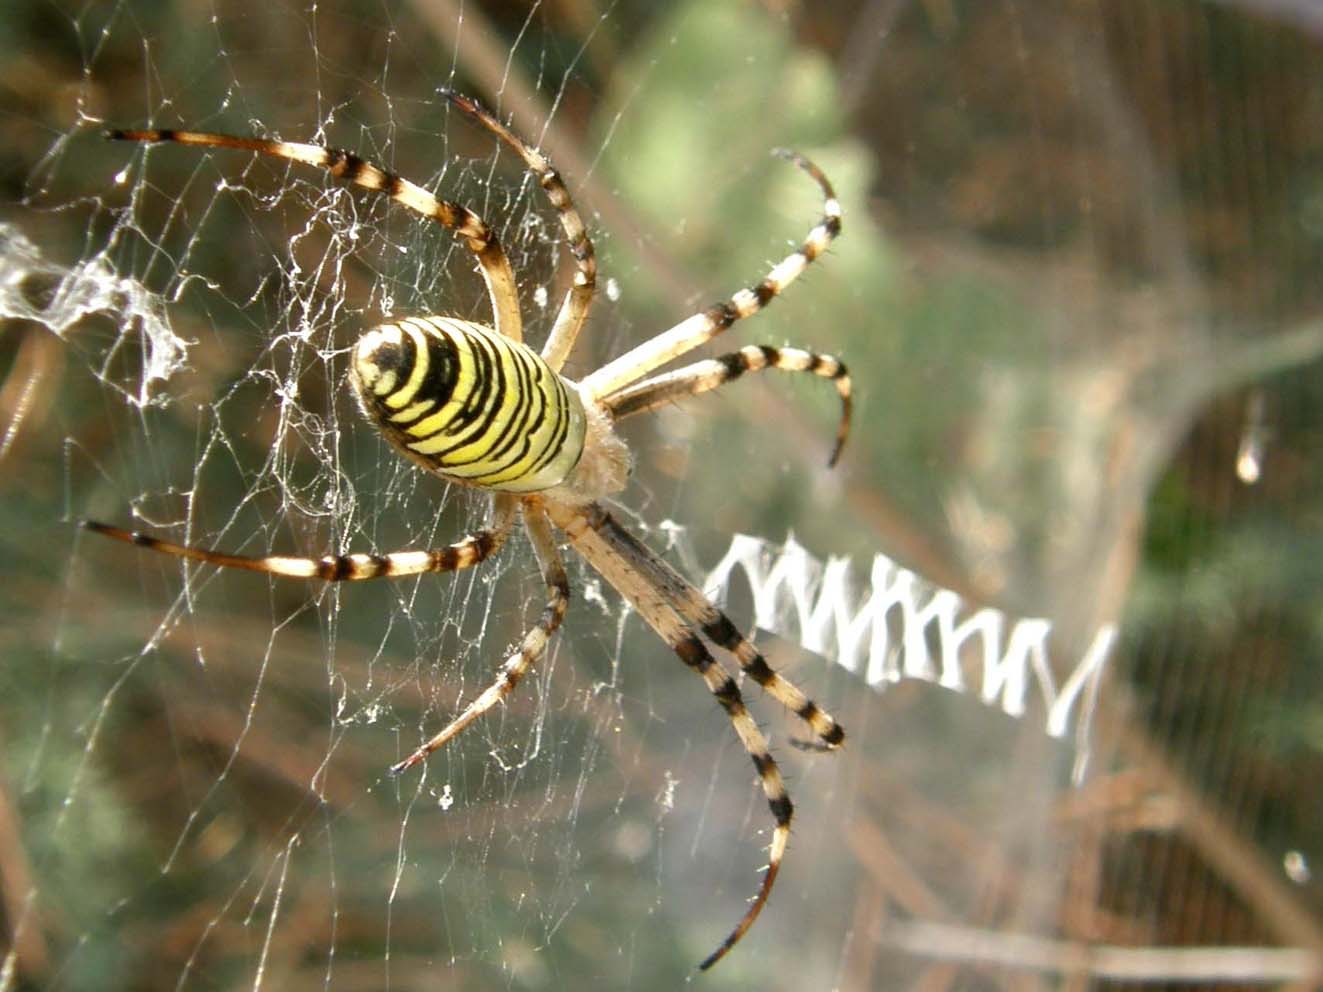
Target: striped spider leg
x,y
348,167
712,373
530,650
470,551
579,298
678,612
472,404
702,327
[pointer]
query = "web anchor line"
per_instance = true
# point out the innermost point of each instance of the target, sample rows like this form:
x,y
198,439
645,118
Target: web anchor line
x,y
902,627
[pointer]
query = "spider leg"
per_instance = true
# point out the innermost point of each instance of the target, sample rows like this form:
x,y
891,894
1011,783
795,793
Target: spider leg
x,y
339,568
344,165
701,327
709,374
690,603
532,648
574,309
618,563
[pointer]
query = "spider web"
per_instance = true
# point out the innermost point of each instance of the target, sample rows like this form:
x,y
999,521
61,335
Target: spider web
x,y
1076,290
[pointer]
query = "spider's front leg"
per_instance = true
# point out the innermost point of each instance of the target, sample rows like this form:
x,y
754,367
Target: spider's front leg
x,y
702,327
534,643
713,373
700,614
660,596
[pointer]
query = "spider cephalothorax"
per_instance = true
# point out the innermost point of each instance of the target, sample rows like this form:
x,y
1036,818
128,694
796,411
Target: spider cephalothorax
x,y
475,405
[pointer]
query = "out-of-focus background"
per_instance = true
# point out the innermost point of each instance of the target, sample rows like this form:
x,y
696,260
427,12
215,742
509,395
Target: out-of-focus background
x,y
1078,290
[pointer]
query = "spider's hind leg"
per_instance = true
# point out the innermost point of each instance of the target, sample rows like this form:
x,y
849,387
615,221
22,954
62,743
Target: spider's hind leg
x,y
532,648
348,167
579,298
462,554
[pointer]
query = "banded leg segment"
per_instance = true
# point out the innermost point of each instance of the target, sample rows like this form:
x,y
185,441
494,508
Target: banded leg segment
x,y
532,648
339,568
574,309
616,563
348,167
690,603
712,373
702,327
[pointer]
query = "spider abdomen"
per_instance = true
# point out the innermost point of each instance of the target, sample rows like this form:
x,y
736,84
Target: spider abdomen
x,y
469,404
472,403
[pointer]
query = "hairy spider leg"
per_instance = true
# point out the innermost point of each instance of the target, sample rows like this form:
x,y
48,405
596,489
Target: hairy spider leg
x,y
617,562
674,608
574,309
348,167
702,327
712,373
697,610
470,551
530,650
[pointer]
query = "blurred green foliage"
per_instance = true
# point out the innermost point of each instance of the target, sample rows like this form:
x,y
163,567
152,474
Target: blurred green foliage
x,y
1065,232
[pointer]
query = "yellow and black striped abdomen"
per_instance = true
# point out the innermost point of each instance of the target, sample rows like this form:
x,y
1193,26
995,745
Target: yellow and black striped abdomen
x,y
469,404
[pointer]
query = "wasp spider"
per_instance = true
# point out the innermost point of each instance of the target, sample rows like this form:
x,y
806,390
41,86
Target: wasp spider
x,y
475,405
